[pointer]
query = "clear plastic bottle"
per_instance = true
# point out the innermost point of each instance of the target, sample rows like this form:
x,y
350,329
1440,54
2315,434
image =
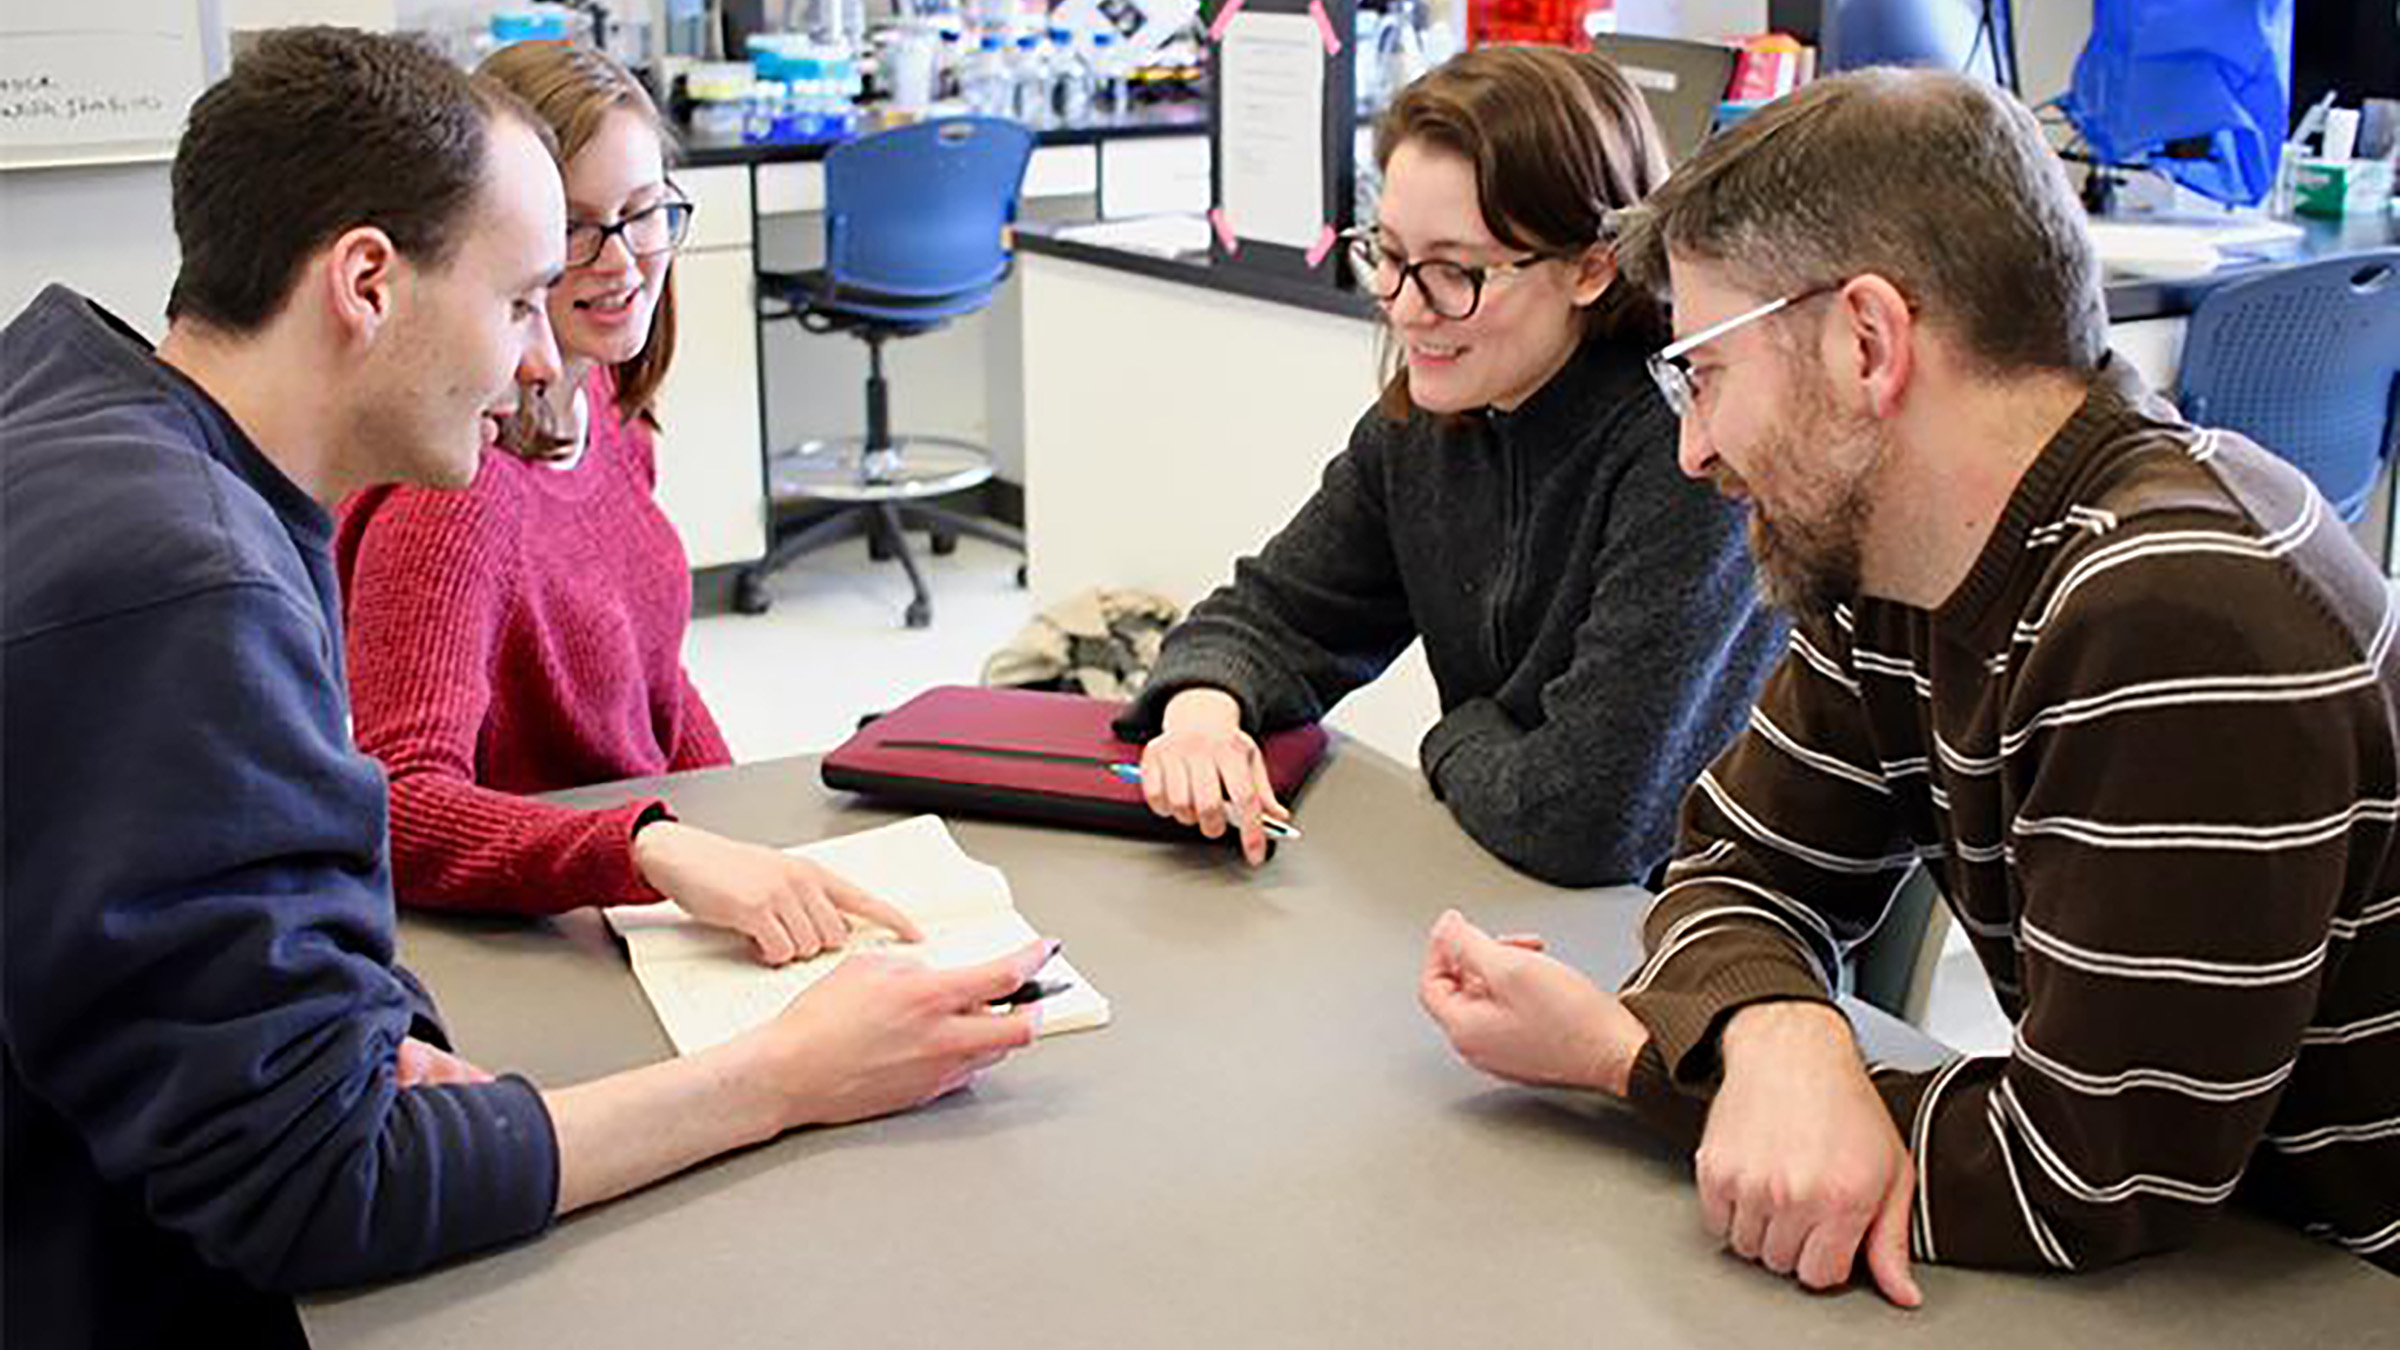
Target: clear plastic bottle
x,y
1032,83
985,81
803,118
760,110
837,91
1071,79
1112,91
950,75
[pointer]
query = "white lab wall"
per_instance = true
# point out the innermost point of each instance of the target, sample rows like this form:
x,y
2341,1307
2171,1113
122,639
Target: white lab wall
x,y
104,230
108,230
1697,19
2050,35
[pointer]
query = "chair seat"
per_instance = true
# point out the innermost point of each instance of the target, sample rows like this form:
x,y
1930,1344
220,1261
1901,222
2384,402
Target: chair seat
x,y
840,308
844,470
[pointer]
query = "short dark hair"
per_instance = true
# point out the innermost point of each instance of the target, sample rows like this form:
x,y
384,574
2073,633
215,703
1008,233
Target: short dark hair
x,y
317,131
1559,141
1939,183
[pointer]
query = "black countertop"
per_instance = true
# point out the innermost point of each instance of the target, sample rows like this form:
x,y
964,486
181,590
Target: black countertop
x,y
1196,269
1170,119
2127,300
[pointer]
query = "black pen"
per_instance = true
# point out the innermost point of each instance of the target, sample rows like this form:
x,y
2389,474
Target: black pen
x,y
1032,991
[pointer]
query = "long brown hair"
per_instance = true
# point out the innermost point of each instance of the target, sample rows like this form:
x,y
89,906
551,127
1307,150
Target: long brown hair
x,y
1558,140
573,90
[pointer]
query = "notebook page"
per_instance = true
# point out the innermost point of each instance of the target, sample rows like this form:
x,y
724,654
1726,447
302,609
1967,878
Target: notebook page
x,y
707,986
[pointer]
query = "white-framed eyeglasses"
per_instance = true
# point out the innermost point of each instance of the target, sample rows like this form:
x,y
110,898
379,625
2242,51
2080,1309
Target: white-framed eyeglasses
x,y
1671,366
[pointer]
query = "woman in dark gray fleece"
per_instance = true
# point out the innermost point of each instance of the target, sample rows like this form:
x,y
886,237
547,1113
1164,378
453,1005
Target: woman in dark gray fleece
x,y
1512,499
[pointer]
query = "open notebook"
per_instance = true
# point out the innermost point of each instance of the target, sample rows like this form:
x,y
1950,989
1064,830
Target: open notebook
x,y
708,987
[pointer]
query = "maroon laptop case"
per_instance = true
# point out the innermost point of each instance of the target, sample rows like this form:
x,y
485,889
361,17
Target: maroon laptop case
x,y
1028,754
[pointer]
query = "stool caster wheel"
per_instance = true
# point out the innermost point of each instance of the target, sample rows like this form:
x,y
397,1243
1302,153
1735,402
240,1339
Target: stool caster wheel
x,y
750,594
877,549
944,543
920,614
1020,576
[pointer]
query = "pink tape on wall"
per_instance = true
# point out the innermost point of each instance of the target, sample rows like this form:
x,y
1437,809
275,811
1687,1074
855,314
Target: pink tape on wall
x,y
1224,228
1216,27
1323,246
1333,44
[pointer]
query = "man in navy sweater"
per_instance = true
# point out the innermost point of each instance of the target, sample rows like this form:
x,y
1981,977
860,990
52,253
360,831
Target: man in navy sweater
x,y
219,1089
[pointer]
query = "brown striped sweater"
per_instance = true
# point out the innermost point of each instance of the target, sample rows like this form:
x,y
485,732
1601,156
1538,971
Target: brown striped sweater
x,y
2148,749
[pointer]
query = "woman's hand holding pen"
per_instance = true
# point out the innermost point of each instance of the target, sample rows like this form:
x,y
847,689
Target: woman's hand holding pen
x,y
1202,768
789,908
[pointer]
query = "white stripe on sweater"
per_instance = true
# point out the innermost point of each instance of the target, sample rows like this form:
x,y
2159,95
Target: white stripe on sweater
x,y
2292,834
2191,970
1887,663
2350,1033
1823,664
1775,899
2309,1141
2116,1084
1815,759
2044,1241
2171,543
1814,857
2365,1246
1779,911
1729,918
2382,911
2125,1188
2192,692
1920,1137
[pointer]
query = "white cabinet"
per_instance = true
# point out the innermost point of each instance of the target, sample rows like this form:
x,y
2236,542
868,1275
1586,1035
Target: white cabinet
x,y
1151,176
711,475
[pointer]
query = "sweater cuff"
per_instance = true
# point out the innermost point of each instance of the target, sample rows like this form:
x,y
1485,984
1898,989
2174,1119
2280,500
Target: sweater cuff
x,y
507,1188
1252,683
1684,1018
1469,721
1672,1114
424,1019
639,815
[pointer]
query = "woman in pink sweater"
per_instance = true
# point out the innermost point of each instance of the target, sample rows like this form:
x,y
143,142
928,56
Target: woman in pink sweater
x,y
526,634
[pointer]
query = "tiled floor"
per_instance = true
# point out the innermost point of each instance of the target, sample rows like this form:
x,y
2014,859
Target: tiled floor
x,y
798,677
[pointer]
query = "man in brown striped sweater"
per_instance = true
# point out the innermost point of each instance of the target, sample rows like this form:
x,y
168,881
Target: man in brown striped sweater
x,y
2125,685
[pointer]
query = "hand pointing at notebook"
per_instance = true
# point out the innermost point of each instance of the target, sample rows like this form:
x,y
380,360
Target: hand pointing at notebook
x,y
1203,769
790,908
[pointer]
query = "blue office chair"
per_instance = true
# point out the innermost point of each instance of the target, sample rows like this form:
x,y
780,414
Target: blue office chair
x,y
916,234
2305,360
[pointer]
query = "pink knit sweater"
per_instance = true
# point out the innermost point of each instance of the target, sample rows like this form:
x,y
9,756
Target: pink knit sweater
x,y
521,636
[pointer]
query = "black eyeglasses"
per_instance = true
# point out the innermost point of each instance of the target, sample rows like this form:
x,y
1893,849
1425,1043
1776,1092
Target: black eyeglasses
x,y
652,230
1450,289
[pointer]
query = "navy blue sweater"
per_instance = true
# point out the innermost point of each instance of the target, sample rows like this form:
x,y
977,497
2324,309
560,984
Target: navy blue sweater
x,y
198,1002
1587,611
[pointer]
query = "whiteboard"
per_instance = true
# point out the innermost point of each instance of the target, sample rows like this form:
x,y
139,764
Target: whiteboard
x,y
101,81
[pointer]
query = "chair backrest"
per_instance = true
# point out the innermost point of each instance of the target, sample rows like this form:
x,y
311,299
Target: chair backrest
x,y
921,212
2304,360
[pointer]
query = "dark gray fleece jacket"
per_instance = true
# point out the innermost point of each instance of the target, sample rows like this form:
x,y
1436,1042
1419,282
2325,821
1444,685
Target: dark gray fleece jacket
x,y
1587,611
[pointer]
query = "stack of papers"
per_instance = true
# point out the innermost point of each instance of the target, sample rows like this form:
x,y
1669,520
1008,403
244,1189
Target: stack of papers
x,y
1158,236
707,985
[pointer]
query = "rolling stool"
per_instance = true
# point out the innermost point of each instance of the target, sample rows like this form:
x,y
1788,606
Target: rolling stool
x,y
916,234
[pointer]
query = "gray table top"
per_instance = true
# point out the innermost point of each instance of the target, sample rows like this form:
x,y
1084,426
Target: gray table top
x,y
1271,1145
